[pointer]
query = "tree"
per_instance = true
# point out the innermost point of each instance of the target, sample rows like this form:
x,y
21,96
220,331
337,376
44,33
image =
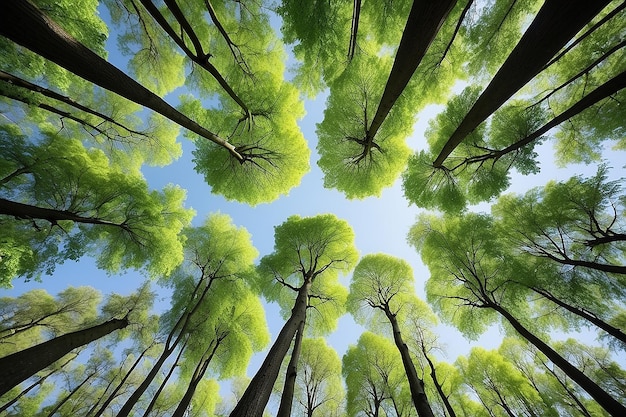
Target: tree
x,y
384,283
554,25
472,278
374,377
319,389
63,200
309,254
575,223
211,285
234,58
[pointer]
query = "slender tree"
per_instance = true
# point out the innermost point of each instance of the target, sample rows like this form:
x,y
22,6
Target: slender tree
x,y
554,25
309,253
384,283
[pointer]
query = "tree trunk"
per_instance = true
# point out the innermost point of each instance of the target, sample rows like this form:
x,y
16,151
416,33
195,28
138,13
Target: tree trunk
x,y
23,23
286,399
256,396
197,376
71,394
601,324
604,399
119,386
27,211
35,384
554,25
155,395
605,90
354,30
23,364
423,24
422,406
442,395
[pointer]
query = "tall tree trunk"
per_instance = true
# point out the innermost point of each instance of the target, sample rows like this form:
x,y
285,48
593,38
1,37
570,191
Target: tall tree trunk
x,y
23,364
286,399
568,391
604,399
582,313
354,30
433,375
169,374
27,211
423,24
418,395
603,91
173,339
23,23
197,376
256,396
119,386
36,383
554,25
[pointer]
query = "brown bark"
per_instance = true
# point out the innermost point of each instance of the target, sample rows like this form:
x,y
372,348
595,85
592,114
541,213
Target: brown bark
x,y
423,24
603,398
286,399
554,25
416,384
23,23
23,364
256,396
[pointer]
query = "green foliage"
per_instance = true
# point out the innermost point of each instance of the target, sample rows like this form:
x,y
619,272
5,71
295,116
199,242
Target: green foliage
x,y
315,249
357,169
277,154
375,378
126,224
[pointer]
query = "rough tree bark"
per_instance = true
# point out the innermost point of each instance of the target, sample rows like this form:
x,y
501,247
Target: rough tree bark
x,y
21,365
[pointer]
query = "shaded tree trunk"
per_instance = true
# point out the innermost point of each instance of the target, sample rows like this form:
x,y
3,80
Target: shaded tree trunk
x,y
23,23
418,395
354,30
286,399
197,376
255,398
592,318
27,211
604,399
423,24
438,386
554,25
22,365
603,91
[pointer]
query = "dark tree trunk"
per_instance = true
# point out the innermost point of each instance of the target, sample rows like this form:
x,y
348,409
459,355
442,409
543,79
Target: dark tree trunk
x,y
71,394
23,23
256,396
286,399
27,211
592,318
119,386
554,25
354,30
605,90
418,395
604,399
169,374
442,395
423,24
197,376
23,364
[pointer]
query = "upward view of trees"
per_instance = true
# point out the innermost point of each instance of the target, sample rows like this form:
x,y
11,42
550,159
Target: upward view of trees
x,y
100,99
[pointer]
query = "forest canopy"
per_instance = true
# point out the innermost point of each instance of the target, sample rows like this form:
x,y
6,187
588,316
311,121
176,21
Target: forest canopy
x,y
259,207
